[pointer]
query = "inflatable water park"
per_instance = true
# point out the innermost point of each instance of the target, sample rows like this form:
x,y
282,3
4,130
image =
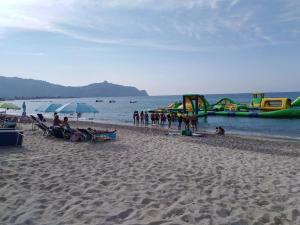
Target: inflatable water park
x,y
259,106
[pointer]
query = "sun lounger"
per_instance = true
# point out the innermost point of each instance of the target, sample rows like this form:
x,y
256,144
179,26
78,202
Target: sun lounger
x,y
86,135
102,135
11,137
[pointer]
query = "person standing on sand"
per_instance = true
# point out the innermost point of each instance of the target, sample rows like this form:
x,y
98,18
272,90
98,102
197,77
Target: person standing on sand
x,y
194,121
146,119
169,118
179,120
187,121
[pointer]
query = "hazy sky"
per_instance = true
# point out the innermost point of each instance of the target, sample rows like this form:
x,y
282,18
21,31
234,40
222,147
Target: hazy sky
x,y
163,46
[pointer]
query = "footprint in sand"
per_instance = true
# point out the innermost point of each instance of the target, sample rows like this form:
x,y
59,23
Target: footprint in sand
x,y
2,199
174,212
121,216
146,201
223,212
188,219
294,189
75,193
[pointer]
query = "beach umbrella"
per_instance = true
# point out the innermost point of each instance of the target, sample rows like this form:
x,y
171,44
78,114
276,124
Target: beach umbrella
x,y
48,108
7,106
77,108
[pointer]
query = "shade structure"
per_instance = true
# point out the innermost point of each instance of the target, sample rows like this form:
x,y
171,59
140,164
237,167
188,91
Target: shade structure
x,y
48,108
74,107
7,105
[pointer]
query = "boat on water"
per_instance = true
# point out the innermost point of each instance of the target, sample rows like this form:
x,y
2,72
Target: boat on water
x,y
97,100
259,106
133,102
112,101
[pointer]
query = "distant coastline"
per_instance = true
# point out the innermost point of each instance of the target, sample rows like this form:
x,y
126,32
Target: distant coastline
x,y
14,88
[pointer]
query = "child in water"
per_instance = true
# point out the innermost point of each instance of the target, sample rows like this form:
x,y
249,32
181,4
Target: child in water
x,y
187,121
179,120
220,131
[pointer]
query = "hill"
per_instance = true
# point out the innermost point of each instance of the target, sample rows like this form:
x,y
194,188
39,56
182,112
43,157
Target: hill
x,y
14,87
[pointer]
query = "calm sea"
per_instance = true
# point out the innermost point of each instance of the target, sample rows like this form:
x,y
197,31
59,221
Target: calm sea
x,y
121,113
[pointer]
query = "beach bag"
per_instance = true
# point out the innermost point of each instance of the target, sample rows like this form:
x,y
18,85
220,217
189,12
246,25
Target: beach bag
x,y
187,132
10,124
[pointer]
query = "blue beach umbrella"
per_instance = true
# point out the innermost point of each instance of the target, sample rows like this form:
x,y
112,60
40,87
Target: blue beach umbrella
x,y
78,108
48,108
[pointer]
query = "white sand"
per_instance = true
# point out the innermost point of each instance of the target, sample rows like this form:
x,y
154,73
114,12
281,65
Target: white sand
x,y
148,178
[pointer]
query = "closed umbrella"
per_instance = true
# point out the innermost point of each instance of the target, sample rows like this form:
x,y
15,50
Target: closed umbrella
x,y
24,109
48,108
77,108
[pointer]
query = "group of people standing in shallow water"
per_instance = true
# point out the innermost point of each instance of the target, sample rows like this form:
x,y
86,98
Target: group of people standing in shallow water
x,y
157,118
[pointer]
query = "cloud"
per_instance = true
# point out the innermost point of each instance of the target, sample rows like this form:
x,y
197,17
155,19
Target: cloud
x,y
179,25
290,11
158,4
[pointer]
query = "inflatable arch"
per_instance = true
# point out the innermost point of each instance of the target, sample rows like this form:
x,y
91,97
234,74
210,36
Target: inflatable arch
x,y
194,103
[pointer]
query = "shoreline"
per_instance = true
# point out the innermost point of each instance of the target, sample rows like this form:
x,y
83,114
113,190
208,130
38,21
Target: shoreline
x,y
164,128
248,143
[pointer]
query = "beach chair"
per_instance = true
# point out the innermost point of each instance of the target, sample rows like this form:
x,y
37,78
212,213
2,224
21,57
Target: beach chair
x,y
34,119
41,117
47,130
11,137
102,135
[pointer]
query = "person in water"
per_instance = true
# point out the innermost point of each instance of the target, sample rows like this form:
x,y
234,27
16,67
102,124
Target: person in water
x,y
179,116
146,119
187,121
194,122
137,118
169,118
56,121
152,118
220,131
173,116
157,118
162,119
142,117
134,117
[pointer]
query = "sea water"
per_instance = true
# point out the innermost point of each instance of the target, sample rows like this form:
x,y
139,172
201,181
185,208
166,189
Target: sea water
x,y
121,113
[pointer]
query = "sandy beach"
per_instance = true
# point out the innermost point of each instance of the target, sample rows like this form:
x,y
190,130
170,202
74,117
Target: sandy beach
x,y
149,178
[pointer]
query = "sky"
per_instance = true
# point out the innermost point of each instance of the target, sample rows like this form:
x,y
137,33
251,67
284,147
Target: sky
x,y
163,46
